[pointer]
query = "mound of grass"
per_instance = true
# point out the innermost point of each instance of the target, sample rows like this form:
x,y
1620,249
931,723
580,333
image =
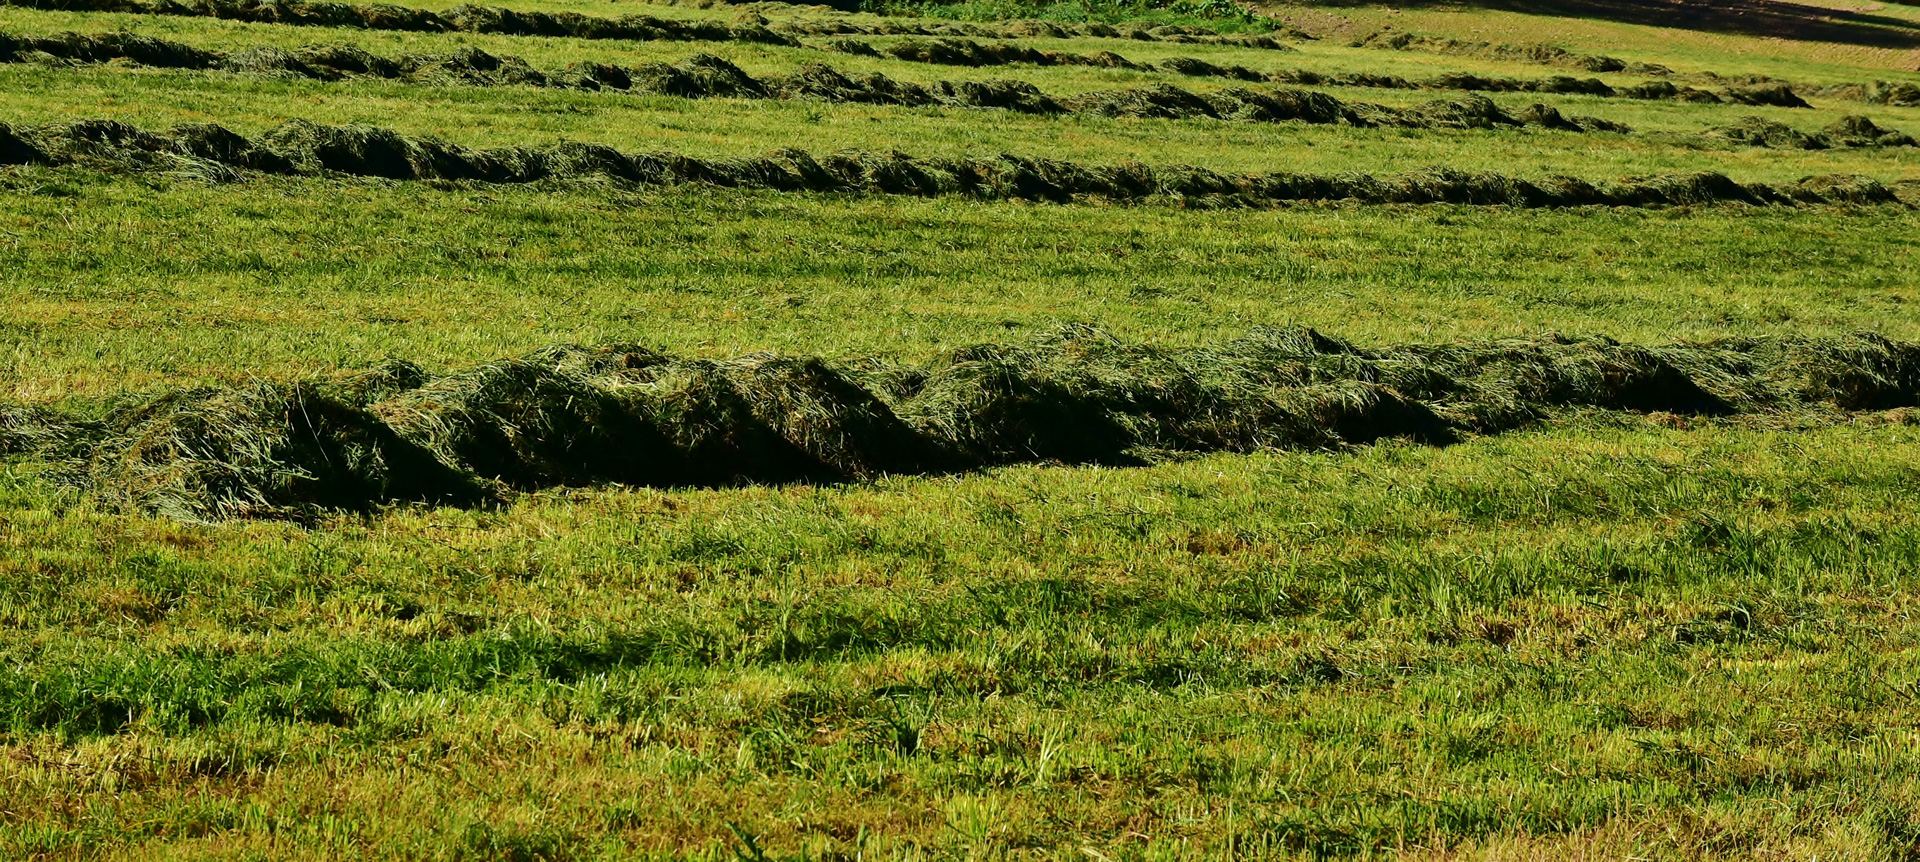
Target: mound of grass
x,y
1737,89
707,76
263,452
748,28
1848,131
305,147
463,18
625,414
1551,55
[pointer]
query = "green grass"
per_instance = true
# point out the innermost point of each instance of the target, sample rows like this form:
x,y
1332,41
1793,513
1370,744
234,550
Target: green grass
x,y
1681,641
1616,635
228,283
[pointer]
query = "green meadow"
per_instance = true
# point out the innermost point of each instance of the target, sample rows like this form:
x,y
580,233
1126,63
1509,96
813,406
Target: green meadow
x,y
1609,631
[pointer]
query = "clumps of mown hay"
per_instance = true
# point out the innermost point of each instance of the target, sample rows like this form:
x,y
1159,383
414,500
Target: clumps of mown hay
x,y
972,53
1864,371
1036,29
1903,94
1079,396
302,147
465,18
624,414
707,76
1742,89
1165,101
1760,132
1548,117
1849,131
1773,95
107,47
262,451
1192,68
967,52
1667,90
509,22
1539,54
1495,386
1857,131
32,431
15,150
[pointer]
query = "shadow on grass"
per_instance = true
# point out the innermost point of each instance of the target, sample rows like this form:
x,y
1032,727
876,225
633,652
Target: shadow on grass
x,y
1768,18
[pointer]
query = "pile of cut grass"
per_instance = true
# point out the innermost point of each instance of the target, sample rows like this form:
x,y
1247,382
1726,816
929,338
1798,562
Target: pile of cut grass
x,y
707,76
704,76
1848,131
1737,89
1757,91
623,414
307,148
749,28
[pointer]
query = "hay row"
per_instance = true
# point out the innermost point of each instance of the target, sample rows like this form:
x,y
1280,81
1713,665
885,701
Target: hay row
x,y
704,76
300,147
501,21
970,53
1743,89
480,68
707,76
1849,131
624,414
1166,33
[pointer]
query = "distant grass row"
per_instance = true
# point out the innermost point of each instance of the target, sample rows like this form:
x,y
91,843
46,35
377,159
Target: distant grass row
x,y
729,128
708,76
336,61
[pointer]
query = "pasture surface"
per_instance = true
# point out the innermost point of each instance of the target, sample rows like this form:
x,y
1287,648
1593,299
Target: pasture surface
x,y
1646,599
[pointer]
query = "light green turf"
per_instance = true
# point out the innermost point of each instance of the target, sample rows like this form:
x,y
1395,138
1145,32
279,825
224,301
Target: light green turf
x,y
119,284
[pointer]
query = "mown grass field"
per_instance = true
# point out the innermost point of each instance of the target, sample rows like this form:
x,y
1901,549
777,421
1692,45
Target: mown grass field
x,y
1598,633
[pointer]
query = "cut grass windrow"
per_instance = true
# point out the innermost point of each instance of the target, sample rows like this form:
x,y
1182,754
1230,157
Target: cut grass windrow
x,y
626,414
501,21
215,153
705,76
708,76
949,51
1743,89
1032,29
972,53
